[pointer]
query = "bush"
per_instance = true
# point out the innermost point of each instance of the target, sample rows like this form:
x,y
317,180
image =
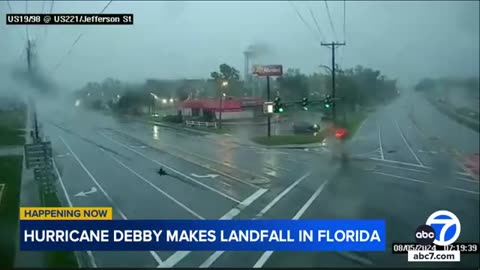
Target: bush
x,y
172,119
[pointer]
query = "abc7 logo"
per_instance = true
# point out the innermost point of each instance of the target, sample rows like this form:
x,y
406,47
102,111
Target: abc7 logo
x,y
442,228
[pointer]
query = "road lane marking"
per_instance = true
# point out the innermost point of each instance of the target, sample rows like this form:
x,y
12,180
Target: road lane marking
x,y
401,163
266,255
179,255
425,182
195,214
281,195
175,171
403,177
467,180
208,167
115,206
408,145
91,258
213,176
402,168
380,141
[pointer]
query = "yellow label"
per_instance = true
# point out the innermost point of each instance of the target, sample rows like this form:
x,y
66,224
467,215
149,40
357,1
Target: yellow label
x,y
66,213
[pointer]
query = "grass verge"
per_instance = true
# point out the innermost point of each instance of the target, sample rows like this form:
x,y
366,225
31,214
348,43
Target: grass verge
x,y
469,122
289,139
354,122
10,180
56,259
12,124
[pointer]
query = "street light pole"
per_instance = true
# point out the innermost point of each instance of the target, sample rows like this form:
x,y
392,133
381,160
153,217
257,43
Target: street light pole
x,y
222,97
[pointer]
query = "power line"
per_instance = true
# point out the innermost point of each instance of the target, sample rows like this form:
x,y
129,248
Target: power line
x,y
76,41
344,20
51,6
301,18
43,5
9,7
26,26
344,31
316,24
330,19
108,4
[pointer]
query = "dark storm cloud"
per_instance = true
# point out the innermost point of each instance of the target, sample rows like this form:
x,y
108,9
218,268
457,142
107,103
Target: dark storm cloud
x,y
406,39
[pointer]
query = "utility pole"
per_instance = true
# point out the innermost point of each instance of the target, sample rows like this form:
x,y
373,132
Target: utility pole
x,y
333,45
30,70
29,55
269,124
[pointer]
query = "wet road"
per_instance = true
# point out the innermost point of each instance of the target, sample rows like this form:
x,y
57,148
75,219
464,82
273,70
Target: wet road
x,y
398,174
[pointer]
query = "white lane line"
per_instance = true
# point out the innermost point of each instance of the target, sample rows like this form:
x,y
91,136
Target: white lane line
x,y
467,180
175,171
403,177
115,206
195,214
408,145
401,163
209,167
380,141
464,190
91,258
210,260
281,195
425,182
266,255
402,168
179,255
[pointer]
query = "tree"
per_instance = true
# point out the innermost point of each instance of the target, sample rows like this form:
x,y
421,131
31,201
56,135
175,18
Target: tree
x,y
230,75
293,85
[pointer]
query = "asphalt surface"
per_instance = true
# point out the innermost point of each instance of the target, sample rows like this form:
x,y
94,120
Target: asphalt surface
x,y
397,173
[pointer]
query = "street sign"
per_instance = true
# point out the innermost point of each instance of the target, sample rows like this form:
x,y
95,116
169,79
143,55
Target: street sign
x,y
44,175
268,107
268,70
38,154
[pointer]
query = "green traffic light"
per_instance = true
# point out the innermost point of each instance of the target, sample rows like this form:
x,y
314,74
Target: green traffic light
x,y
305,108
327,105
280,110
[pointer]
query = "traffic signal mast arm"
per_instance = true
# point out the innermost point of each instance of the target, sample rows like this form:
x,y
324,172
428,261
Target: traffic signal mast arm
x,y
310,101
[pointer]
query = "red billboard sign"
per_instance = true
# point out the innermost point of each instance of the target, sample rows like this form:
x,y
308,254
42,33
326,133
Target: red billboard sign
x,y
269,70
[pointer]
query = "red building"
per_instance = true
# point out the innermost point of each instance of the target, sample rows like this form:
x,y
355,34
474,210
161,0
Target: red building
x,y
231,108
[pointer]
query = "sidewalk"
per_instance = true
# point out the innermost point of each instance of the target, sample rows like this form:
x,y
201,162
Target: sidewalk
x,y
29,196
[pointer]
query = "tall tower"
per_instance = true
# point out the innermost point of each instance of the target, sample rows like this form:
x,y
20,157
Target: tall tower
x,y
247,77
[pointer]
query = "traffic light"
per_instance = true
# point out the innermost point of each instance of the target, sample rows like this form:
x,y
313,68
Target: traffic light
x,y
305,104
277,106
327,103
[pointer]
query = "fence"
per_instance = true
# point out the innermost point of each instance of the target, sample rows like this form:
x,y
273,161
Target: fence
x,y
200,124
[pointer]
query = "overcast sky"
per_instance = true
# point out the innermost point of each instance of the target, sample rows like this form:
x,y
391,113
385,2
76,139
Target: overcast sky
x,y
405,39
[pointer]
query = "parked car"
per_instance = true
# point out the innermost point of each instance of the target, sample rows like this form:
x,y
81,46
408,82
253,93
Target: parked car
x,y
305,127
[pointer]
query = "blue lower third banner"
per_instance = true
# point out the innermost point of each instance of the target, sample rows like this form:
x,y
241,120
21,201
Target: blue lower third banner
x,y
254,235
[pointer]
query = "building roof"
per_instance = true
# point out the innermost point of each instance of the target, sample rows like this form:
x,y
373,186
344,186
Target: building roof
x,y
213,104
228,104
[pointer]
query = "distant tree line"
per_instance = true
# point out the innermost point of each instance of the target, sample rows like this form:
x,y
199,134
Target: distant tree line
x,y
357,86
471,85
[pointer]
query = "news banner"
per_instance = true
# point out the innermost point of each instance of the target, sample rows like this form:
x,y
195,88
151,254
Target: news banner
x,y
69,19
94,229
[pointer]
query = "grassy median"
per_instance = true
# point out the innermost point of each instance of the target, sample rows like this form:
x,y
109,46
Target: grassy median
x,y
12,124
10,183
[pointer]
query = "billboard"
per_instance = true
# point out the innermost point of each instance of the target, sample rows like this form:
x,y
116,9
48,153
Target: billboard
x,y
268,70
